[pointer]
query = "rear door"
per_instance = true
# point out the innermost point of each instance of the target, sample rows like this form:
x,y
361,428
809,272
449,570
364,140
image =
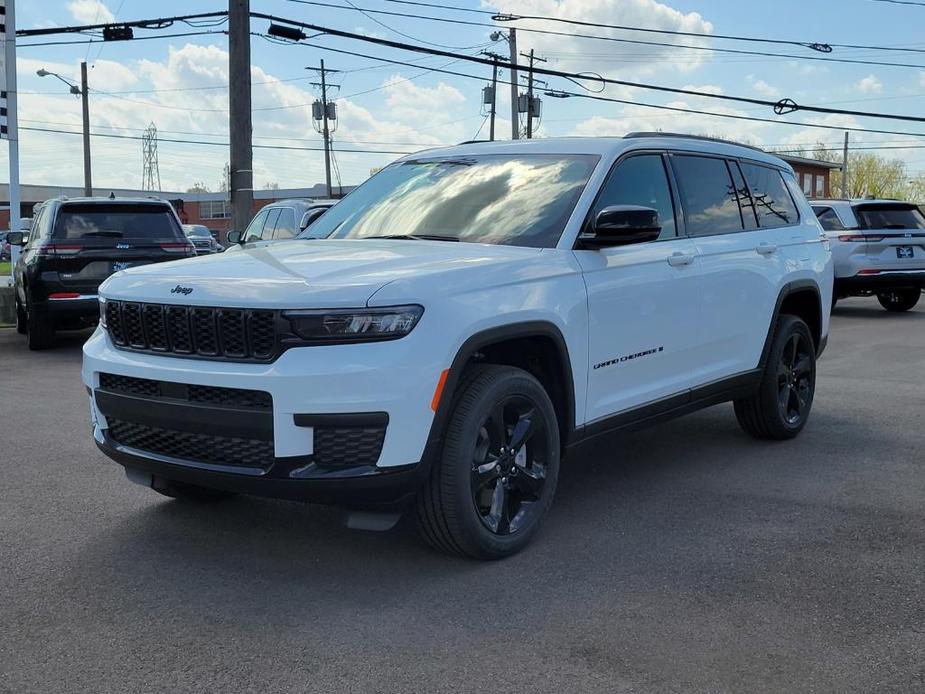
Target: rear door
x,y
741,264
91,241
893,234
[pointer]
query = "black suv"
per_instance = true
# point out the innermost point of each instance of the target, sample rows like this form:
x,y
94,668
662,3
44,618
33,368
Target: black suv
x,y
74,245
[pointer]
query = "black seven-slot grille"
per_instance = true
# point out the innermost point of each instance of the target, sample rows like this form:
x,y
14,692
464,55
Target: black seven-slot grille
x,y
217,333
139,414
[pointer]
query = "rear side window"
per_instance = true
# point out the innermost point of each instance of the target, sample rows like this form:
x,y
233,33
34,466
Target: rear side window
x,y
640,180
285,224
773,203
99,221
746,203
889,217
828,219
708,195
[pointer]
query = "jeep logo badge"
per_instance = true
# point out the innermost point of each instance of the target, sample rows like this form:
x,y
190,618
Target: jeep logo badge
x,y
181,290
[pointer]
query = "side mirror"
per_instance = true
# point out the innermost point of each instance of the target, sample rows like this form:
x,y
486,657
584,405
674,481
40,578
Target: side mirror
x,y
15,238
621,225
234,236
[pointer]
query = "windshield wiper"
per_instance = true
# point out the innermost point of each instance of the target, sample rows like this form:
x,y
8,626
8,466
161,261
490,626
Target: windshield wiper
x,y
415,237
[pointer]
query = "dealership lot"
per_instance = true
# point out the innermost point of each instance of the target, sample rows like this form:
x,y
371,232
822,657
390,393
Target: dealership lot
x,y
682,558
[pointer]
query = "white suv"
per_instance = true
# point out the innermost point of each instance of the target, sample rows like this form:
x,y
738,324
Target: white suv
x,y
476,313
878,247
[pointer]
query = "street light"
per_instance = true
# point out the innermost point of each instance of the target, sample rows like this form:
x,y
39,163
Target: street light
x,y
80,91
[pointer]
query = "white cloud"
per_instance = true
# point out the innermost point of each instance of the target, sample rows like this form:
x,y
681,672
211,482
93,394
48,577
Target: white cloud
x,y
764,89
870,85
568,53
90,11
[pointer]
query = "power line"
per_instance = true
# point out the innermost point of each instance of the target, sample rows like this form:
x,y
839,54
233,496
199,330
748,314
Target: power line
x,y
781,107
571,34
159,23
727,37
137,38
369,16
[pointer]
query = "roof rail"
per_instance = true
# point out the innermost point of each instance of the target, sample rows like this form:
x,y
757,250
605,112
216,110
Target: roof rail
x,y
691,137
473,142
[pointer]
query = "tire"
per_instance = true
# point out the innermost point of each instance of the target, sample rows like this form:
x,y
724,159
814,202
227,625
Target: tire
x,y
40,333
778,410
898,300
482,500
20,318
189,492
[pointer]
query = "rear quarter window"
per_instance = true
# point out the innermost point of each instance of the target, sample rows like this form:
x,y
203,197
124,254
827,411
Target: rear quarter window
x,y
97,221
773,203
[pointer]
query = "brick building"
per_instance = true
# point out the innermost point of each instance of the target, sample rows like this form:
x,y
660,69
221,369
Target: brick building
x,y
814,176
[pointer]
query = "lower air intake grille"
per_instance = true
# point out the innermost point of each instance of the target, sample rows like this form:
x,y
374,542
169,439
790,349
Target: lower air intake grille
x,y
199,448
340,446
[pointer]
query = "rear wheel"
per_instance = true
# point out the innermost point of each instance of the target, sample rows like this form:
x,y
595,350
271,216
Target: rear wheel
x,y
497,473
780,407
40,331
897,300
188,492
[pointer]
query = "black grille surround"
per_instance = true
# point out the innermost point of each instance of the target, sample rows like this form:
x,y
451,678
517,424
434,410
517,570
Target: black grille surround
x,y
201,332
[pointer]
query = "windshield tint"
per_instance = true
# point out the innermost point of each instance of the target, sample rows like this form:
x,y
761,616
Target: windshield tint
x,y
509,200
890,217
155,222
197,232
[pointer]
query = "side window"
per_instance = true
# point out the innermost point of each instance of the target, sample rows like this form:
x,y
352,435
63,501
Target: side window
x,y
828,219
640,180
708,195
272,216
285,224
746,204
35,232
254,229
773,203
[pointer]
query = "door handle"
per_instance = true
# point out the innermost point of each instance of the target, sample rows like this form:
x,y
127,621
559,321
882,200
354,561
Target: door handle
x,y
765,248
678,259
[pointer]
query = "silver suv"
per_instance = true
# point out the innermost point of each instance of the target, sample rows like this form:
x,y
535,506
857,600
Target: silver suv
x,y
281,220
878,247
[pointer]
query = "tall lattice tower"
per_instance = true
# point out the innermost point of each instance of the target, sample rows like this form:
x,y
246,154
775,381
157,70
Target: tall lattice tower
x,y
150,175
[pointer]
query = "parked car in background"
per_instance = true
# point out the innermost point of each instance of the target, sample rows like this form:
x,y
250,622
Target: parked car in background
x,y
281,220
77,243
473,314
879,249
202,239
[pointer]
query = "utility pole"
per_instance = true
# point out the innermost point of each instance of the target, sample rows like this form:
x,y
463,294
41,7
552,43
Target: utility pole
x,y
490,94
10,129
515,118
323,112
240,126
85,108
532,109
844,168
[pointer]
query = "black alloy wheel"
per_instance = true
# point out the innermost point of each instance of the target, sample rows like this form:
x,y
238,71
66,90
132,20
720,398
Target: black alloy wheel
x,y
795,379
508,469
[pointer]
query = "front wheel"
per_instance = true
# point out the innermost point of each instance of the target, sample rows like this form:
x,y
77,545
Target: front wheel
x,y
898,300
780,407
21,327
496,475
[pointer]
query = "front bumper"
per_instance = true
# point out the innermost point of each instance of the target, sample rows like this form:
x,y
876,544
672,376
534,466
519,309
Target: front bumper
x,y
319,390
883,280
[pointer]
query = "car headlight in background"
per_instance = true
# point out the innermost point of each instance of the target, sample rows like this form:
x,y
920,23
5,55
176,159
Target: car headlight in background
x,y
103,313
355,324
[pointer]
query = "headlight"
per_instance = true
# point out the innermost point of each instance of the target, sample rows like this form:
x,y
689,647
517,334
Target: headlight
x,y
354,324
103,313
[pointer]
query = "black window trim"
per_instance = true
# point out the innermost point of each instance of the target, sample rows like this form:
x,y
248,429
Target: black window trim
x,y
726,160
679,231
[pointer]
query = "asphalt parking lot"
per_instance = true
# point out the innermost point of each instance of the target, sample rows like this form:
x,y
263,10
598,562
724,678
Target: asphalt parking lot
x,y
684,558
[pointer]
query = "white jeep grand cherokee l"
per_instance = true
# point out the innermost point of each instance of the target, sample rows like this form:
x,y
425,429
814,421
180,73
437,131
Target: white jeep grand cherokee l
x,y
477,313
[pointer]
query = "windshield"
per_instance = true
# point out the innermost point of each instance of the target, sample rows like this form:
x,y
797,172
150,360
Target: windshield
x,y
197,232
95,220
890,217
522,200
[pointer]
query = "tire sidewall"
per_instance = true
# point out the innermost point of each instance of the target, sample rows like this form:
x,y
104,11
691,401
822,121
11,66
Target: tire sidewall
x,y
456,461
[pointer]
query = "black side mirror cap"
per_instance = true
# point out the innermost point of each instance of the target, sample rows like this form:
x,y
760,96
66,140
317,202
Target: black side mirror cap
x,y
622,225
234,236
15,238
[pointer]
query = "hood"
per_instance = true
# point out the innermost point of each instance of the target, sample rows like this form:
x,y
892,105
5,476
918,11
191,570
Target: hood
x,y
304,274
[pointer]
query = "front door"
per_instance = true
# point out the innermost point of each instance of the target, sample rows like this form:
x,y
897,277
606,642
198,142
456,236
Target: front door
x,y
642,299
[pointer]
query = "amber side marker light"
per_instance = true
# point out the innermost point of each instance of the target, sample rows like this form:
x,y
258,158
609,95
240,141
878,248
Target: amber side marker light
x,y
438,393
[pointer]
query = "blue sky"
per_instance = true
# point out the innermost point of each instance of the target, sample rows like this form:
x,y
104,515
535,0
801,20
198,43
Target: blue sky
x,y
179,83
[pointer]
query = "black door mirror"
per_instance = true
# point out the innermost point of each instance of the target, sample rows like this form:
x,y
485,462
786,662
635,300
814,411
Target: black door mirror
x,y
621,225
234,236
15,238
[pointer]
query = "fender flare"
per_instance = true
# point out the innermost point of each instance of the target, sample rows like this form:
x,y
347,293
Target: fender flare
x,y
483,339
787,290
